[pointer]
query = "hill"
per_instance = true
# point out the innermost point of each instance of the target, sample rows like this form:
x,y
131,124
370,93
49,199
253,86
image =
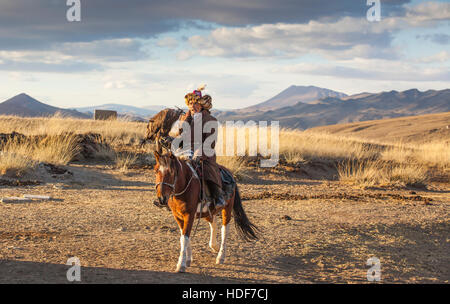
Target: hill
x,y
26,106
361,107
293,95
423,128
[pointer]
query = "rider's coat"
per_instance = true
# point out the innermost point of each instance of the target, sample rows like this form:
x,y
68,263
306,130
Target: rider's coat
x,y
210,169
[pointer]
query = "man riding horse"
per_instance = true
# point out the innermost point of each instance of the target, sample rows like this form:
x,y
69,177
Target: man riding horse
x,y
199,107
179,187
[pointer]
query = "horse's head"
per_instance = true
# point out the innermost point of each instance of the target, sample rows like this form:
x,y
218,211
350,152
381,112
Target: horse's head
x,y
166,176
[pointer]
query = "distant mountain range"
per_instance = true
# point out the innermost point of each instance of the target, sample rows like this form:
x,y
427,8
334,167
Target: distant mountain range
x,y
296,107
360,107
293,95
26,106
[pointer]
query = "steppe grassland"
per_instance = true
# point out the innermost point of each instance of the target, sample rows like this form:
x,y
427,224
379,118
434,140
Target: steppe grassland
x,y
359,161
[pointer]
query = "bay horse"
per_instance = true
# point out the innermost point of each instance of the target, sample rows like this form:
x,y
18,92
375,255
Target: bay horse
x,y
178,185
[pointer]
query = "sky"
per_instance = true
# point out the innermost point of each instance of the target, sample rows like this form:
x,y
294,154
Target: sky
x,y
142,53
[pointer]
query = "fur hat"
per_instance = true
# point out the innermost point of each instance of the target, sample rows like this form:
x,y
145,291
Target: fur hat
x,y
196,97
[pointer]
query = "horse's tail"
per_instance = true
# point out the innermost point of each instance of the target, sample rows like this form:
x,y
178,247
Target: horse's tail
x,y
247,231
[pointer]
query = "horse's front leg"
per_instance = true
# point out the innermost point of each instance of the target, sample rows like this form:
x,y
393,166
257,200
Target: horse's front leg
x,y
185,251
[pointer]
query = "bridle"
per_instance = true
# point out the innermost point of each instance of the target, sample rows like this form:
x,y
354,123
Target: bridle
x,y
173,193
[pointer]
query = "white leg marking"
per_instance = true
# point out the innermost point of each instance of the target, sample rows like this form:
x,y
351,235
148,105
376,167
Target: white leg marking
x,y
223,247
184,242
189,254
213,238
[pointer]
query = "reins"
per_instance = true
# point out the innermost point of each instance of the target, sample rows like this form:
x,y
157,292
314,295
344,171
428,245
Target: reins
x,y
202,198
174,183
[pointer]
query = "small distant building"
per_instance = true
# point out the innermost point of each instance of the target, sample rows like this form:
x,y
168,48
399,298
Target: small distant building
x,y
105,115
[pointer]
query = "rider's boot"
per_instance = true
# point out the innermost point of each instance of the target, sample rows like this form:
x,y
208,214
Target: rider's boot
x,y
220,201
217,194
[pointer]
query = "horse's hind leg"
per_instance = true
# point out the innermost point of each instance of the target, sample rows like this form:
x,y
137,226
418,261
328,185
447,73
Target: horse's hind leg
x,y
226,217
213,244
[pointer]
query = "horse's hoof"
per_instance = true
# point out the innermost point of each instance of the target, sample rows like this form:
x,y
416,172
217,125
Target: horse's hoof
x,y
188,263
180,269
220,261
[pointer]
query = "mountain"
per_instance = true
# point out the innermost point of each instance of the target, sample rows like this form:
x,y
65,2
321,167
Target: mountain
x,y
26,106
121,109
293,95
360,107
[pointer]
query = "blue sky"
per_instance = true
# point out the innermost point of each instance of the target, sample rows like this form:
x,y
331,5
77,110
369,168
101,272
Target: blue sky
x,y
153,52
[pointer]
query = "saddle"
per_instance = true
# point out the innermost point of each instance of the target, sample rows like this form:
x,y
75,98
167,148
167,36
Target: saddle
x,y
228,182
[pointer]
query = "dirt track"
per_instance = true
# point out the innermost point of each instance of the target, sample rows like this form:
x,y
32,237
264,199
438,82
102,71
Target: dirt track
x,y
314,231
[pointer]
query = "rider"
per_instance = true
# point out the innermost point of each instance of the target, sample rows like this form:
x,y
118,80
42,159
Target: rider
x,y
199,107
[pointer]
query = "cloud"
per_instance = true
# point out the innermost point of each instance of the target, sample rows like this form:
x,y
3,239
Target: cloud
x,y
347,37
440,57
371,69
74,56
442,39
168,42
427,12
105,50
21,77
40,61
36,24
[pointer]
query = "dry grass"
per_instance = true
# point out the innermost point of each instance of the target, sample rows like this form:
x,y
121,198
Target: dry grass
x,y
436,154
14,164
124,161
293,157
104,151
114,132
363,162
379,173
17,156
312,146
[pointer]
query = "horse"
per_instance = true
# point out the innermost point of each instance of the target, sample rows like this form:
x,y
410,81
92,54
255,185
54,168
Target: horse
x,y
178,185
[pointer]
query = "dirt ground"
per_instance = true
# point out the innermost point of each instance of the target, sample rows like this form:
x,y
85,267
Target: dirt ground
x,y
313,231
